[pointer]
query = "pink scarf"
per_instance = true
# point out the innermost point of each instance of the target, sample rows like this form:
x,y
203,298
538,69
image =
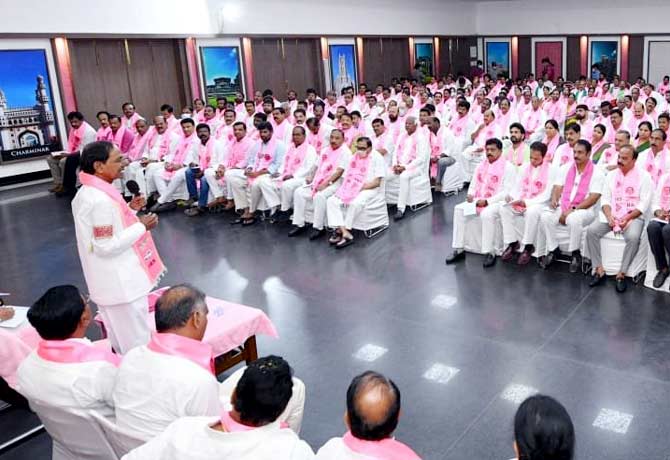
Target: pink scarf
x,y
103,134
137,147
164,146
551,146
354,178
664,194
144,247
264,157
516,156
280,130
294,158
386,449
130,122
180,155
71,351
458,126
485,134
566,153
205,153
406,153
626,193
656,164
490,177
435,150
532,120
197,352
239,150
329,160
582,190
75,138
224,132
531,188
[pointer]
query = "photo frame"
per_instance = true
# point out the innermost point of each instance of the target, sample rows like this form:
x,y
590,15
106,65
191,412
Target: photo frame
x,y
221,72
342,66
604,56
424,56
498,59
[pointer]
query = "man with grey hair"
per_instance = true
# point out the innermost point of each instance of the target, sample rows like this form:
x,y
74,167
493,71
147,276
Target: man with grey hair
x,y
410,160
173,375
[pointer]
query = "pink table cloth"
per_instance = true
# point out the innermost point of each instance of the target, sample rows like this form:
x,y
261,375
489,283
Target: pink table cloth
x,y
229,324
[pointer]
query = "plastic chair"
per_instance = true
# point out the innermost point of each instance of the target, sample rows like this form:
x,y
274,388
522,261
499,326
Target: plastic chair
x,y
121,440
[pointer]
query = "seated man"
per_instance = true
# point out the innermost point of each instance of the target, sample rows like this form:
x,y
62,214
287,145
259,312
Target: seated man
x,y
173,375
256,181
459,129
160,143
373,411
440,159
575,192
138,150
121,137
492,182
627,195
321,184
299,161
168,179
361,183
410,160
518,153
66,370
236,157
527,202
658,230
474,154
250,429
656,159
564,152
382,141
80,135
210,151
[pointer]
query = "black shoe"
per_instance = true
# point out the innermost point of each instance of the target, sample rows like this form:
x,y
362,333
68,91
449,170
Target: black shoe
x,y
193,212
489,260
575,263
316,234
550,258
660,278
455,256
163,207
596,280
399,215
621,285
297,231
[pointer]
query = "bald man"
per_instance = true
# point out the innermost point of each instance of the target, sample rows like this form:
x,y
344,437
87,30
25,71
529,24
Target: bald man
x,y
373,410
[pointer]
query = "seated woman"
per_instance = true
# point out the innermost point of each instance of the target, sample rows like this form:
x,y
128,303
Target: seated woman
x,y
543,430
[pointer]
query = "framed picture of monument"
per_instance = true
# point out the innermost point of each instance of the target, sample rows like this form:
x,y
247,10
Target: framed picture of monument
x,y
604,57
28,123
221,72
342,66
423,55
498,57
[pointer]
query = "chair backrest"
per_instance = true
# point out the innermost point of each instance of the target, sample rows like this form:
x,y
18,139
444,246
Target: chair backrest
x,y
121,440
74,433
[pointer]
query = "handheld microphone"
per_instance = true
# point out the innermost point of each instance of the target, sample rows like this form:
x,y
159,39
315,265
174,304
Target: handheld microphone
x,y
134,188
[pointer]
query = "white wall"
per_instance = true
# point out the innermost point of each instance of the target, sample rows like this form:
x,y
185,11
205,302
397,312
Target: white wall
x,y
173,17
545,17
343,17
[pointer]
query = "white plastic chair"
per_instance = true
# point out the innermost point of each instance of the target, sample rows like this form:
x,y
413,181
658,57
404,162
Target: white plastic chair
x,y
374,219
75,435
121,440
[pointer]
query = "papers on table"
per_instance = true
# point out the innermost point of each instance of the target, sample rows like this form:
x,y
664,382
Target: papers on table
x,y
469,209
20,317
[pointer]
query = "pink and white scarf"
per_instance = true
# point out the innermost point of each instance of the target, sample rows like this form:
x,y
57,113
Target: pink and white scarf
x,y
164,146
566,153
582,190
294,158
386,449
144,247
530,188
264,157
74,351
197,352
329,161
239,151
103,134
137,147
490,177
183,147
656,165
458,125
516,155
664,194
552,145
406,149
354,178
76,137
626,193
206,153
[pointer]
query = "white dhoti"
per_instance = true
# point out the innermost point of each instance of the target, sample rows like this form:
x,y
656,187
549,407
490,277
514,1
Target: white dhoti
x,y
217,187
288,188
267,188
151,171
453,145
167,188
531,224
489,219
470,160
402,183
338,217
303,196
135,171
238,184
576,222
127,324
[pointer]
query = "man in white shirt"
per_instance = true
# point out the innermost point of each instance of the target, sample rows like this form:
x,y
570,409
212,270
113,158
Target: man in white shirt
x,y
210,152
527,201
373,412
119,259
627,195
658,230
250,429
361,183
66,370
474,154
283,129
321,184
173,175
577,189
491,183
410,160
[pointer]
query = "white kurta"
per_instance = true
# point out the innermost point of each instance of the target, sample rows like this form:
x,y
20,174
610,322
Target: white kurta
x,y
336,449
193,438
86,385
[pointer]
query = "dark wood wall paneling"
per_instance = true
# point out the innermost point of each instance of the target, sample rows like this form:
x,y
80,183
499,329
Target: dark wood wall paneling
x,y
385,58
151,74
281,64
573,59
636,57
455,54
525,57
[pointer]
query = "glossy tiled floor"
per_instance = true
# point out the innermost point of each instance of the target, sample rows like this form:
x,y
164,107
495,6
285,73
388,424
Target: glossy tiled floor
x,y
464,345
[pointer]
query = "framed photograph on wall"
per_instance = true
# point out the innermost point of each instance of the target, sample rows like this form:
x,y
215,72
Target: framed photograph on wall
x,y
604,57
423,55
498,58
221,72
548,57
28,105
342,66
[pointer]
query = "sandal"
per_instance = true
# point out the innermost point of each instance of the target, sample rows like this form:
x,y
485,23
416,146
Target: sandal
x,y
249,221
344,242
335,238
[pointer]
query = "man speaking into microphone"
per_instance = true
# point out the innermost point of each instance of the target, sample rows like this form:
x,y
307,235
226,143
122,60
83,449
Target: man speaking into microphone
x,y
118,256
